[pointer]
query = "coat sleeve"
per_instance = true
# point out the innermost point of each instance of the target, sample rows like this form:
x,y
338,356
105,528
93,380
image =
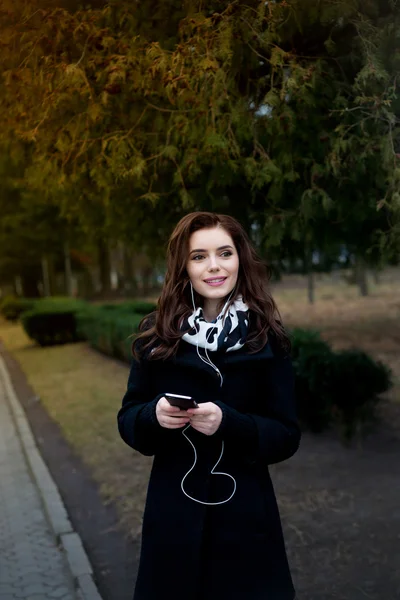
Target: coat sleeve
x,y
137,421
272,438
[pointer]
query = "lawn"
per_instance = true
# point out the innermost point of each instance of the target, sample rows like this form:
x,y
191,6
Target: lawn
x,y
340,507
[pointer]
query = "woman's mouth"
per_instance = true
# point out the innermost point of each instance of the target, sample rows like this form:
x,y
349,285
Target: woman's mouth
x,y
215,281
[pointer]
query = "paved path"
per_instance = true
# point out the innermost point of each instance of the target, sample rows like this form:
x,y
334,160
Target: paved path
x,y
33,564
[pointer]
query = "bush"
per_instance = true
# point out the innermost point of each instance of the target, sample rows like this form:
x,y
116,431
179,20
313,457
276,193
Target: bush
x,y
53,321
335,386
109,332
313,363
357,381
12,307
142,308
131,306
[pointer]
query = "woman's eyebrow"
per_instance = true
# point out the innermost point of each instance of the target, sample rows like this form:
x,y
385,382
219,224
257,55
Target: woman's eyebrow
x,y
220,248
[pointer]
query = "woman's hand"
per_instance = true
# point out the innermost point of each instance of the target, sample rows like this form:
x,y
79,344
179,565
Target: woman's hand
x,y
206,418
170,417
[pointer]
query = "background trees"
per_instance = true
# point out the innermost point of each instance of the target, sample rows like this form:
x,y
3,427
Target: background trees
x,y
284,114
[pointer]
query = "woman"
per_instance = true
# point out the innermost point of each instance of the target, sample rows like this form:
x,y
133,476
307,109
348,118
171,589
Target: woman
x,y
211,527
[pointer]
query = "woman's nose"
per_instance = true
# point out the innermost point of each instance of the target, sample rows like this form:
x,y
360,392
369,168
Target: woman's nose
x,y
213,266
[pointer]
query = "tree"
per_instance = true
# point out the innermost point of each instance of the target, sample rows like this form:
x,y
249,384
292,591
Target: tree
x,y
274,112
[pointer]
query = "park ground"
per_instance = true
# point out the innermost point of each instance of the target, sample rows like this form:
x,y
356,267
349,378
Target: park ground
x,y
340,506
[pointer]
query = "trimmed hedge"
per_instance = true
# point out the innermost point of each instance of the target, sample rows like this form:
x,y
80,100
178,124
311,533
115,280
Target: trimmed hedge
x,y
12,307
356,384
133,306
110,332
53,321
341,387
313,363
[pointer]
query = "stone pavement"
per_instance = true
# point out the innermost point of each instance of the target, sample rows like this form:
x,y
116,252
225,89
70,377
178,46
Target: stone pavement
x,y
41,557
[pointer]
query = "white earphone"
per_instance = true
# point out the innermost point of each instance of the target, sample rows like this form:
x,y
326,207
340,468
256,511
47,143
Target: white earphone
x,y
209,362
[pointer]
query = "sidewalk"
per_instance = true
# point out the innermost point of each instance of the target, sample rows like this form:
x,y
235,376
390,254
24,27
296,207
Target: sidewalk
x,y
41,557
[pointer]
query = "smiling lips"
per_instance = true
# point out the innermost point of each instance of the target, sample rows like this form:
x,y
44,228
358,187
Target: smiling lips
x,y
215,281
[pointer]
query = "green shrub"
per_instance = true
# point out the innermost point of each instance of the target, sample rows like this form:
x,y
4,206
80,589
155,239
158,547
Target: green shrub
x,y
53,321
142,308
12,307
335,386
109,332
313,363
130,306
357,381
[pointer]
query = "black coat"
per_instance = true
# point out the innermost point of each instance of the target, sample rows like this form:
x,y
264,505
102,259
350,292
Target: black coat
x,y
234,551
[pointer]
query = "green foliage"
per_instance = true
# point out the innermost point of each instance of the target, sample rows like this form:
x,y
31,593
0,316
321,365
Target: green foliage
x,y
283,113
357,381
109,332
11,307
341,387
133,306
53,321
313,362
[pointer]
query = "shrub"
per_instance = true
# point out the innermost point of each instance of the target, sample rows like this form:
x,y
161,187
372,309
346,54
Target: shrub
x,y
109,332
357,381
313,362
142,308
335,386
12,307
53,321
131,306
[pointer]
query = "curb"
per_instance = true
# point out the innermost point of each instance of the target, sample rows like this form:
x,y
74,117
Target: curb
x,y
67,538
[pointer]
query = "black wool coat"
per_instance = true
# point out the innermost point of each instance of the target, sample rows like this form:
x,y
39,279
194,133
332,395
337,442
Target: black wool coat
x,y
232,551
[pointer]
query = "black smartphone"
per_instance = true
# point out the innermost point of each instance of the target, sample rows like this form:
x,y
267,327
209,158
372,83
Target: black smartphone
x,y
182,402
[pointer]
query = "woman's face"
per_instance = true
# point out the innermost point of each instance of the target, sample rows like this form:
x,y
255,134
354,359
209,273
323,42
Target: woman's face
x,y
213,263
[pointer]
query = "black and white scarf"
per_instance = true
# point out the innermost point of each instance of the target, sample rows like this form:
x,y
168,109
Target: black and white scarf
x,y
228,332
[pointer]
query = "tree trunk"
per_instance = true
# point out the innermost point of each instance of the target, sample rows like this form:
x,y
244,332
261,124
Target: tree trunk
x,y
104,266
129,282
19,290
377,276
308,269
360,268
46,276
68,271
311,286
147,279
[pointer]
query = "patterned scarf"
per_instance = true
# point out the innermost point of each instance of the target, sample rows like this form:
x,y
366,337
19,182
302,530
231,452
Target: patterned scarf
x,y
228,332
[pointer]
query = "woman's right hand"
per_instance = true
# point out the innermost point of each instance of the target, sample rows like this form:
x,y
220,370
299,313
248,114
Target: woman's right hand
x,y
170,417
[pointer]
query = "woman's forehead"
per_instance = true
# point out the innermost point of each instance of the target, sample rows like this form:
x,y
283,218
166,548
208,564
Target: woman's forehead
x,y
207,239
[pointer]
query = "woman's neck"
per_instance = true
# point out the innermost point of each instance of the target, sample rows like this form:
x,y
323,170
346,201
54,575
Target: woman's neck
x,y
211,309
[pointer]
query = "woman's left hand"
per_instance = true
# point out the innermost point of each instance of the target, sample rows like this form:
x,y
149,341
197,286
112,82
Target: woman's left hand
x,y
206,418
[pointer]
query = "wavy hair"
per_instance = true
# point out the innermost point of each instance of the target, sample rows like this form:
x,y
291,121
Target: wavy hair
x,y
161,330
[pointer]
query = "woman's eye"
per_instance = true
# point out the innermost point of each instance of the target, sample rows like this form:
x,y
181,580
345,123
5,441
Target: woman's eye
x,y
197,256
226,253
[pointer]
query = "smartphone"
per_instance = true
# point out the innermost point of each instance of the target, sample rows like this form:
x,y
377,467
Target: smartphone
x,y
182,402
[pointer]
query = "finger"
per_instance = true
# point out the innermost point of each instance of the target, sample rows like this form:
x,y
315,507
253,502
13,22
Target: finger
x,y
201,429
206,408
199,420
175,421
166,406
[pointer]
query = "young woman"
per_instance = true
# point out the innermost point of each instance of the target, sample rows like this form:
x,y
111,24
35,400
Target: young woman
x,y
211,528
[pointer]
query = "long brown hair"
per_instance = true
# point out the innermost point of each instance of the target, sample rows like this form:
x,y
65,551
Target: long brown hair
x,y
161,330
